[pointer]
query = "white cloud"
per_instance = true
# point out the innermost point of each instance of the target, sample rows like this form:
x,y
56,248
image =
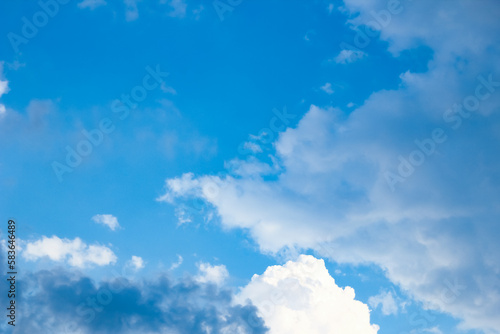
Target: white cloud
x,y
434,330
91,4
108,220
183,217
75,252
302,297
327,88
252,147
177,264
179,187
4,89
211,274
349,56
386,300
404,30
136,263
330,192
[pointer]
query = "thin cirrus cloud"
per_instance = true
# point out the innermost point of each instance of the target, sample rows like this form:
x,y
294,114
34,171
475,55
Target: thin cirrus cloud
x,y
107,220
335,190
92,4
75,253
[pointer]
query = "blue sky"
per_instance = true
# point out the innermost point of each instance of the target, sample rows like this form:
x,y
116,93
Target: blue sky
x,y
202,154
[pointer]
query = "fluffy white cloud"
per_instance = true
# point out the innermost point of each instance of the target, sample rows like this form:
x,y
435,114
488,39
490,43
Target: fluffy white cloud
x,y
75,252
302,297
387,302
136,263
434,229
108,220
211,274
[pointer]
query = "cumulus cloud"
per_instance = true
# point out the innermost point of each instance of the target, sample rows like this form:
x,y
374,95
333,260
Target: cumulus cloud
x,y
62,302
136,263
386,300
302,297
75,252
108,220
333,192
211,274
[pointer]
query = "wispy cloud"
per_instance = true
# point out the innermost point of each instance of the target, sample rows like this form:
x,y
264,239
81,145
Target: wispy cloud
x,y
327,88
349,56
107,220
386,300
92,4
177,264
